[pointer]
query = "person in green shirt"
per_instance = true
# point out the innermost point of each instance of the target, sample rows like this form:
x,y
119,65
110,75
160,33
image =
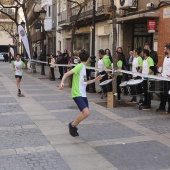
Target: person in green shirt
x,y
78,90
120,75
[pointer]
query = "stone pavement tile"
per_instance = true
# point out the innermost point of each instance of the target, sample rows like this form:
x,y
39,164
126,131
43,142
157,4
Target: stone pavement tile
x,y
73,149
7,100
7,152
10,108
105,131
15,120
65,138
150,155
34,107
48,130
30,91
2,88
130,112
33,112
59,105
88,162
57,97
46,117
14,113
22,138
49,123
159,125
4,92
68,116
34,161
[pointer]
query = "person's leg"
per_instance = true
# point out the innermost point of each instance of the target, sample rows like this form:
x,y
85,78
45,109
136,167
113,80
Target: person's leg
x,y
52,73
168,97
82,104
145,92
83,115
163,100
119,78
59,67
18,84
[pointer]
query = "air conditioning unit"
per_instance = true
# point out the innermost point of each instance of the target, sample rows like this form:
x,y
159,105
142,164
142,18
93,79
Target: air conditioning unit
x,y
126,3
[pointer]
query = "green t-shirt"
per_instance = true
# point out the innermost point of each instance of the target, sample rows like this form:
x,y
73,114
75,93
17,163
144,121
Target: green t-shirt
x,y
79,81
106,61
119,65
140,61
150,62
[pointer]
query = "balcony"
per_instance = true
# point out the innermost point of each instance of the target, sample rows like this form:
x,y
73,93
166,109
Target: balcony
x,y
102,7
62,18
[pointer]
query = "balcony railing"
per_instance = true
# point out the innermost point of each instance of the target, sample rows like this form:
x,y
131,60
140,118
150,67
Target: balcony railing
x,y
62,18
101,7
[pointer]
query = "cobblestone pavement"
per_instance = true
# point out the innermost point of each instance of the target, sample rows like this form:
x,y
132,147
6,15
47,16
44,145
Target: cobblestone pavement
x,y
34,133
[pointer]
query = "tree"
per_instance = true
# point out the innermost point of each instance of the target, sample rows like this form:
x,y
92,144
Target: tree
x,y
80,5
114,22
18,5
12,31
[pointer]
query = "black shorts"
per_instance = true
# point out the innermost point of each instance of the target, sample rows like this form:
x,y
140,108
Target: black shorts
x,y
81,102
17,76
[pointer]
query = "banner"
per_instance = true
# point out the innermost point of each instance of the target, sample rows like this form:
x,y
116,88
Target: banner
x,y
11,50
151,24
24,39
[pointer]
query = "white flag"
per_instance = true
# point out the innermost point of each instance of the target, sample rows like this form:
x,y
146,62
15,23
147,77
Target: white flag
x,y
11,50
24,39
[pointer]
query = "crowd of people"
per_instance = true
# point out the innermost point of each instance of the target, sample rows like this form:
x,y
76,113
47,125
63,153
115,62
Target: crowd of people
x,y
139,61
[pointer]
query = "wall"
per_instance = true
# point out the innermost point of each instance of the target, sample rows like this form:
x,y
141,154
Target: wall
x,y
163,34
127,37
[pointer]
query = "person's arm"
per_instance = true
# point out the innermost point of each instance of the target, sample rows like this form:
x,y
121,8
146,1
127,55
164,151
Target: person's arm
x,y
151,65
98,78
140,63
13,66
61,86
23,65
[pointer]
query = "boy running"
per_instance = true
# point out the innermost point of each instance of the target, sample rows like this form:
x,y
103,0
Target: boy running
x,y
18,65
78,91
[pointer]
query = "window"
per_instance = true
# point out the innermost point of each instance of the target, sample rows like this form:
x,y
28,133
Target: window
x,y
49,11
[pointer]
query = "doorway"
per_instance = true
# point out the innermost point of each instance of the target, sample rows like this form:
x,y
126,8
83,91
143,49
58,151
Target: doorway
x,y
141,36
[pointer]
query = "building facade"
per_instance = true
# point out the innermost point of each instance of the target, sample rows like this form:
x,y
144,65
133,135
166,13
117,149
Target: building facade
x,y
133,20
67,14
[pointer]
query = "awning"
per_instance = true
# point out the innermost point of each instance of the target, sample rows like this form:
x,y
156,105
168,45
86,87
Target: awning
x,y
138,16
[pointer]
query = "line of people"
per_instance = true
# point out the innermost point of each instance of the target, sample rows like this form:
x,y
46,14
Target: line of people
x,y
61,58
143,61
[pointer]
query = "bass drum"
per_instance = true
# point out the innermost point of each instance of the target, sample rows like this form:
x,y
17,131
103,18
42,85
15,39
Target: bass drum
x,y
123,88
158,86
107,85
135,87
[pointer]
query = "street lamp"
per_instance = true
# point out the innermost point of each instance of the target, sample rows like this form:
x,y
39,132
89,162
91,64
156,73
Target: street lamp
x,y
92,87
43,54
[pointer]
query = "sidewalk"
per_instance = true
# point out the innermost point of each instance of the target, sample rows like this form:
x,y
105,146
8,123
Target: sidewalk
x,y
34,133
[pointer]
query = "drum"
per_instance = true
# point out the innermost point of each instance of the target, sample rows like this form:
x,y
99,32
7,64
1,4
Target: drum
x,y
107,84
135,87
123,88
158,86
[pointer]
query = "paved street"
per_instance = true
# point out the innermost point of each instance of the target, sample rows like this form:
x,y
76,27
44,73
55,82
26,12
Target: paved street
x,y
34,133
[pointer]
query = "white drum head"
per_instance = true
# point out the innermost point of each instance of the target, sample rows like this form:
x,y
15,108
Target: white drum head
x,y
134,82
123,84
105,82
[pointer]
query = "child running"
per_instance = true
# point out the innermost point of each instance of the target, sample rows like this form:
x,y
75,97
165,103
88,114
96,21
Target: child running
x,y
18,65
78,91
